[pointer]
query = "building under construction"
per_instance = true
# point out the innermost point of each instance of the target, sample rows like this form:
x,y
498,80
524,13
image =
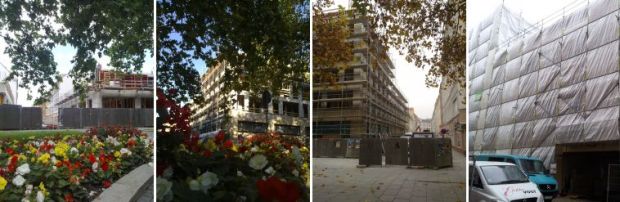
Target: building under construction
x,y
364,101
550,90
286,114
108,89
7,88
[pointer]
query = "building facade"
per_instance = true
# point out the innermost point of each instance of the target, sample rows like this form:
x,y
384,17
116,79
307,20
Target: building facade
x,y
286,114
452,114
364,101
550,93
414,124
109,89
7,88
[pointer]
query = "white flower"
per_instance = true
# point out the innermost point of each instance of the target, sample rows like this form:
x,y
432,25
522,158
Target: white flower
x,y
40,196
270,170
194,185
239,173
73,150
19,181
25,200
295,172
95,166
208,180
254,149
23,169
258,162
164,189
125,151
168,172
54,160
112,140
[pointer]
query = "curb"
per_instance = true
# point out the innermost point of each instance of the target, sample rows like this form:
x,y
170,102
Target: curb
x,y
130,187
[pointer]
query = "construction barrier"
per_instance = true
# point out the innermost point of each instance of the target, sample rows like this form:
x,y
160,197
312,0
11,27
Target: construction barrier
x,y
15,117
90,117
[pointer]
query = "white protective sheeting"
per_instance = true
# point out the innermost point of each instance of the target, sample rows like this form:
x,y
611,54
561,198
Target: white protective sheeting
x,y
557,83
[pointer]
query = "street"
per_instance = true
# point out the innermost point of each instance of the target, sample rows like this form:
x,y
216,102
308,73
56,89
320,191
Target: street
x,y
338,179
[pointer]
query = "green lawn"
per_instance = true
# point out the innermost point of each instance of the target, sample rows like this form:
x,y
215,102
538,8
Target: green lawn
x,y
25,134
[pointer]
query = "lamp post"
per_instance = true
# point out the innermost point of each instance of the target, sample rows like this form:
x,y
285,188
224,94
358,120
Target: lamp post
x,y
266,100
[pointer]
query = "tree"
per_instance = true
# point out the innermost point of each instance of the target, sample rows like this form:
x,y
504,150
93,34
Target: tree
x,y
430,32
330,51
122,30
266,44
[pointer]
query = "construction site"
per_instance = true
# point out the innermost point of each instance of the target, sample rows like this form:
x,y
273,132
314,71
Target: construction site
x,y
549,90
364,101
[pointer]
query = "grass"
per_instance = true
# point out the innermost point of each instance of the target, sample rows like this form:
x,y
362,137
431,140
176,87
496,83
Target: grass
x,y
25,134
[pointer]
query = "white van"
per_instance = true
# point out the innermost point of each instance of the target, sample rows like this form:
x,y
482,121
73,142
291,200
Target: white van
x,y
500,181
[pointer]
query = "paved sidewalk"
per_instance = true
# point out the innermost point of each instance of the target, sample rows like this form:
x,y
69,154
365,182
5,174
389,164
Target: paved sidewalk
x,y
337,179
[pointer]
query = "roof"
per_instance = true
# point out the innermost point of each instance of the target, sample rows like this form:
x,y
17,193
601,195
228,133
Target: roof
x,y
509,156
490,163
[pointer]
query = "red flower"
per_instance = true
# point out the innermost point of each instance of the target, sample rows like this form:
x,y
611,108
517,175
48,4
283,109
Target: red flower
x,y
9,151
274,189
107,183
131,143
86,172
92,158
220,137
104,166
207,153
228,144
68,197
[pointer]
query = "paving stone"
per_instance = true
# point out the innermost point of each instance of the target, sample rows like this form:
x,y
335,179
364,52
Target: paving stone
x,y
339,178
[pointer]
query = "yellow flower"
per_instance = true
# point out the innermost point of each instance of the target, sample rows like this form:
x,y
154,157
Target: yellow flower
x,y
211,145
23,157
117,154
42,188
61,149
3,183
44,158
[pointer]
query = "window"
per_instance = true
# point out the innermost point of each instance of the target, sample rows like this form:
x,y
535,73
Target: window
x,y
290,108
252,127
332,127
288,129
118,103
349,74
476,181
240,101
147,103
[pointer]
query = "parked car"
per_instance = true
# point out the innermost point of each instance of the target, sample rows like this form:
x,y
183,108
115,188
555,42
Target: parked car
x,y
500,181
534,169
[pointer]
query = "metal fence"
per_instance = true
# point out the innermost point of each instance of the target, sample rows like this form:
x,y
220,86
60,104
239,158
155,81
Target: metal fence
x,y
336,148
91,117
425,152
16,117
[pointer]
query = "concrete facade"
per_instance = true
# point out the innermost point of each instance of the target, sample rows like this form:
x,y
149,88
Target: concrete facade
x,y
364,101
415,124
286,114
7,88
108,90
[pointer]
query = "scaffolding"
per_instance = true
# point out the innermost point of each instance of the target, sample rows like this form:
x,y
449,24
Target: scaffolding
x,y
533,86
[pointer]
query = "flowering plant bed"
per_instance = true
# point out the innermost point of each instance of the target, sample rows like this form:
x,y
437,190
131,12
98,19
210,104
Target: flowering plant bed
x,y
260,167
69,168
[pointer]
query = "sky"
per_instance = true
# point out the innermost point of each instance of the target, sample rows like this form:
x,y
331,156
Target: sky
x,y
62,56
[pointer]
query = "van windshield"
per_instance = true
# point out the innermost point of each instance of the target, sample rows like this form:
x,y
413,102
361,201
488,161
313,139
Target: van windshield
x,y
532,166
503,174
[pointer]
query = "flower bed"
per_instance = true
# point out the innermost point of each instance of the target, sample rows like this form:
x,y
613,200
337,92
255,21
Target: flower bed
x,y
69,168
261,167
